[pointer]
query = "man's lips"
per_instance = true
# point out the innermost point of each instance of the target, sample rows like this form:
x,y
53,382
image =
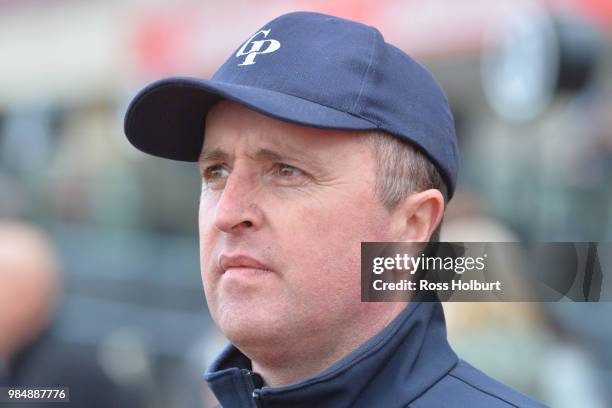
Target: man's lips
x,y
243,262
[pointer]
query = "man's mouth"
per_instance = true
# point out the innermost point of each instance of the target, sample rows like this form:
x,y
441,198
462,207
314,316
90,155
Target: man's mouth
x,y
242,264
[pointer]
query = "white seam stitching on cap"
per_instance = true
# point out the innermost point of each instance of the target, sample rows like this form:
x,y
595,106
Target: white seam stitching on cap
x,y
365,74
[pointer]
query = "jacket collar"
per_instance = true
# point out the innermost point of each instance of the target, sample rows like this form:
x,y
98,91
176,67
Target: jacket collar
x,y
399,363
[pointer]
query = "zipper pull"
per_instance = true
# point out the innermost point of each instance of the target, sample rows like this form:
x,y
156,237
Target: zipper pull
x,y
255,383
257,398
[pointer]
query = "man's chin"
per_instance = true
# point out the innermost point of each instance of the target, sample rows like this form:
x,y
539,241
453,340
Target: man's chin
x,y
251,335
246,322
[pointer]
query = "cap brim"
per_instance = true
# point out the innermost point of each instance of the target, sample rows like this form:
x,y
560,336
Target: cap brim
x,y
166,119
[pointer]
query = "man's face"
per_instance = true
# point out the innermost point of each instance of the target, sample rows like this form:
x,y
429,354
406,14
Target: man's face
x,y
282,213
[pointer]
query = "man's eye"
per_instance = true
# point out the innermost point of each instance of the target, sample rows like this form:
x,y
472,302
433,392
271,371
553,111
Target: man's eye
x,y
215,173
285,170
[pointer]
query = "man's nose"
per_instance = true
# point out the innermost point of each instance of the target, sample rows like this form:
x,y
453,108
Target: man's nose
x,y
237,209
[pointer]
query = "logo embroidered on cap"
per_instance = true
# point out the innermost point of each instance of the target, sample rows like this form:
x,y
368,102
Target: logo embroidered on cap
x,y
256,47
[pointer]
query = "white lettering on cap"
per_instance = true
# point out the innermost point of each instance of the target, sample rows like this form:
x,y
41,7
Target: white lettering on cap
x,y
257,47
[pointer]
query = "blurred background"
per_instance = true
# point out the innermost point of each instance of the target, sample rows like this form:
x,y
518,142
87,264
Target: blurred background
x,y
109,235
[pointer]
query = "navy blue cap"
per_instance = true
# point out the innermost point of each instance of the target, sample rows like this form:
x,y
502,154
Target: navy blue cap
x,y
310,69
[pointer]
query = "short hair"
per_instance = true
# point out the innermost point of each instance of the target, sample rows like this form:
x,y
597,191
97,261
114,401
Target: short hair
x,y
402,169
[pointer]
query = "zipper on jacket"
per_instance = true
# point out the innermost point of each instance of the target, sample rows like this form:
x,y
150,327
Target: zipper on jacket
x,y
257,398
256,390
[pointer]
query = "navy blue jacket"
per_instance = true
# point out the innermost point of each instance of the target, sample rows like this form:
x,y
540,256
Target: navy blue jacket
x,y
408,364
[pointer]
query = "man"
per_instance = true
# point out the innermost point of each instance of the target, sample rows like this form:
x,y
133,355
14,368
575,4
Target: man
x,y
314,136
30,354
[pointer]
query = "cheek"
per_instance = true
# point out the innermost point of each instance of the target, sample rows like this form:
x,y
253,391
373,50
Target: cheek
x,y
206,216
326,244
347,223
206,235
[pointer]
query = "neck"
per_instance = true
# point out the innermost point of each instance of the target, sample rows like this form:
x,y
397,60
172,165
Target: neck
x,y
277,375
315,354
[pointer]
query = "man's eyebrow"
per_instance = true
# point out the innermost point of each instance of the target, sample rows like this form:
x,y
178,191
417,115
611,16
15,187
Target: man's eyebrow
x,y
213,155
260,154
267,154
220,155
292,156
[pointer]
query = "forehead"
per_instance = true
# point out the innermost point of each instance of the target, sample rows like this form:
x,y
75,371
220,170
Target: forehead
x,y
230,126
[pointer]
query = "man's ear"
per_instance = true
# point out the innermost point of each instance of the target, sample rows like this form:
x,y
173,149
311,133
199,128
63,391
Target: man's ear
x,y
417,216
